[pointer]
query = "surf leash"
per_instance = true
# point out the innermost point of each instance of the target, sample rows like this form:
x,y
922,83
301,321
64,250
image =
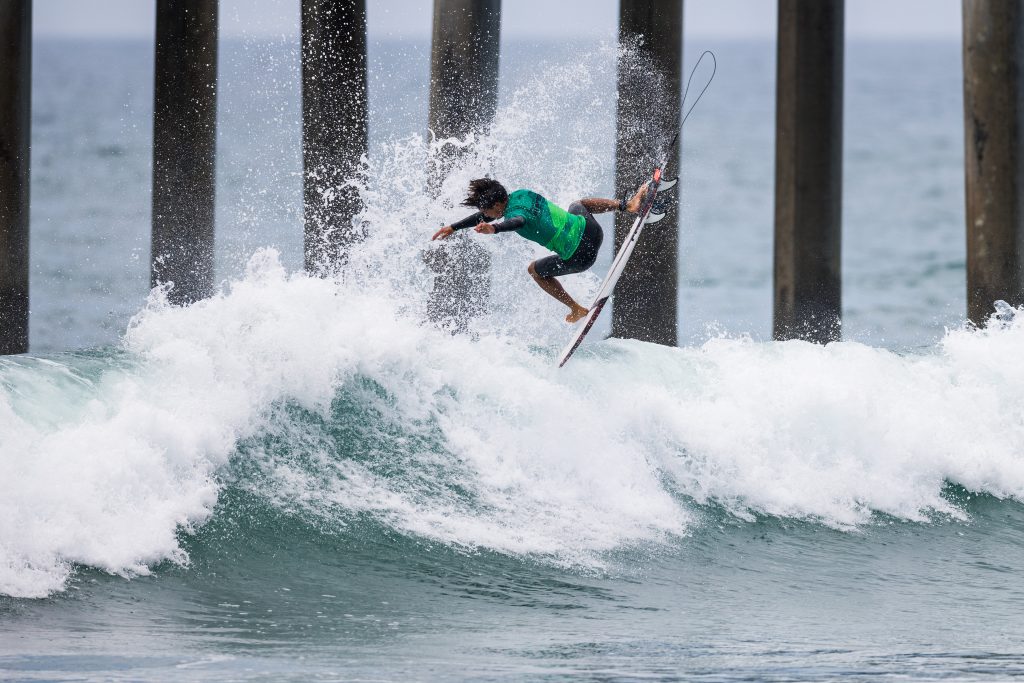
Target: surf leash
x,y
657,206
675,138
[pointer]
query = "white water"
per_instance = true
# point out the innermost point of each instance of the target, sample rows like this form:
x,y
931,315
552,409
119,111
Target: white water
x,y
564,464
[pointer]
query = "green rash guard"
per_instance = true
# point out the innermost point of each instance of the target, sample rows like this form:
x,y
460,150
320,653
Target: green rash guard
x,y
547,224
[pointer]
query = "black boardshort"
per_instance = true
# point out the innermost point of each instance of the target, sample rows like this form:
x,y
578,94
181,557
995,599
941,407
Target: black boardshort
x,y
585,254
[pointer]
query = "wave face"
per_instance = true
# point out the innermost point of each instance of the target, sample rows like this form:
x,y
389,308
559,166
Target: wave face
x,y
333,400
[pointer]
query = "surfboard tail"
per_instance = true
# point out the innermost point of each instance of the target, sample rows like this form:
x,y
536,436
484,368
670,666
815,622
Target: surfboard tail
x,y
650,212
617,267
595,311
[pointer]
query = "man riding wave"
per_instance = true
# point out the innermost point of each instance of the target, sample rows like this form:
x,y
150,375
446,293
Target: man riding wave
x,y
574,235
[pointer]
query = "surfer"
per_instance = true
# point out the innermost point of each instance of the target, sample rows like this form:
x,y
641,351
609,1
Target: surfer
x,y
574,234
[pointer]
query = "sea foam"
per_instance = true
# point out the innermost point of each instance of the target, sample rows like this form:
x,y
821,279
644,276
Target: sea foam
x,y
614,449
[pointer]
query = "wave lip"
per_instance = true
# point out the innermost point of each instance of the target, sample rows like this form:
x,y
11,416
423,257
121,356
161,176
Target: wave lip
x,y
134,458
837,433
108,483
478,441
143,453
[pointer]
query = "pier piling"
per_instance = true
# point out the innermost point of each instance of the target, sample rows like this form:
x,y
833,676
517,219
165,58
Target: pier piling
x,y
15,120
334,125
993,40
808,170
646,296
464,57
465,52
184,147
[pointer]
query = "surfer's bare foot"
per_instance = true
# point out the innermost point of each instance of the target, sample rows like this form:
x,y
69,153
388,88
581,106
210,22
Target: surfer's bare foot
x,y
577,314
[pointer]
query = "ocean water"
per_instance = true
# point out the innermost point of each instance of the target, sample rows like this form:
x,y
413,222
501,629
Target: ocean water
x,y
300,479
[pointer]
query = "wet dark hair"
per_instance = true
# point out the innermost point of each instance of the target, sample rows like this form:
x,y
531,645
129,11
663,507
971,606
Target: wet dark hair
x,y
485,193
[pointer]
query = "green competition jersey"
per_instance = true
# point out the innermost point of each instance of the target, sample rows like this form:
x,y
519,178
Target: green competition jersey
x,y
547,224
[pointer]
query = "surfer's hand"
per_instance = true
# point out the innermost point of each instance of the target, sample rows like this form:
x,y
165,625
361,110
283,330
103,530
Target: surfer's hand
x,y
442,233
633,205
485,228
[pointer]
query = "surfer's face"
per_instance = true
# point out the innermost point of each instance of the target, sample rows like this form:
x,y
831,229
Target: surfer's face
x,y
495,210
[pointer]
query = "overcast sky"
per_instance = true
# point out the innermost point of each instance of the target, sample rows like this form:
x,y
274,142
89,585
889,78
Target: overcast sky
x,y
914,19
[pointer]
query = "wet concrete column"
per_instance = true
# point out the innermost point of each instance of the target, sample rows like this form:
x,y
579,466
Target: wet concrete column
x,y
184,147
334,125
993,40
648,114
464,59
808,170
15,117
463,68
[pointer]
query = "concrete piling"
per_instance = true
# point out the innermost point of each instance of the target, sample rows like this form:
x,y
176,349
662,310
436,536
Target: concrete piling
x,y
184,147
808,170
465,51
645,300
464,59
993,40
15,119
334,125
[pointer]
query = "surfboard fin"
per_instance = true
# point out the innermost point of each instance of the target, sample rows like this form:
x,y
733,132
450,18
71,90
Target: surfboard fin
x,y
667,185
658,209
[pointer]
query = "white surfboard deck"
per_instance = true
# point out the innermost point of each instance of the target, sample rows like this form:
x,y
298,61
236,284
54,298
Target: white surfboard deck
x,y
645,217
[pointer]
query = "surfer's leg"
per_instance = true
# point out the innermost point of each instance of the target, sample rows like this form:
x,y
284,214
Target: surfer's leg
x,y
545,270
590,241
553,287
600,205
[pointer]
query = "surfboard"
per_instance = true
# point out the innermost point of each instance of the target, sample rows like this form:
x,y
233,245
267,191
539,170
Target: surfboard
x,y
644,217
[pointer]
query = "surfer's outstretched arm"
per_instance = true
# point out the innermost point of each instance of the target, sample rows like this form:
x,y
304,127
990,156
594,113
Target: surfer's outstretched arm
x,y
458,225
477,222
598,205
